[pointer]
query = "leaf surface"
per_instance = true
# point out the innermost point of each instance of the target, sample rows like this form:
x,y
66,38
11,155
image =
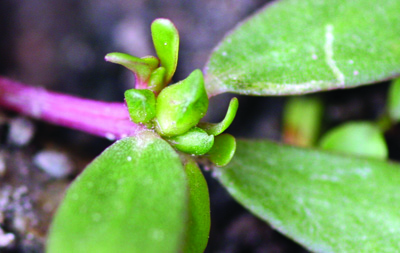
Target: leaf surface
x,y
133,198
301,46
199,209
394,100
327,202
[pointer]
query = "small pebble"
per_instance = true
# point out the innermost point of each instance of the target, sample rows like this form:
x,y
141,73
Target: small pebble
x,y
54,163
21,131
6,239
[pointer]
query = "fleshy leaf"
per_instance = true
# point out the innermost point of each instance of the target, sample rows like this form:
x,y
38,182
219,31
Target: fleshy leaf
x,y
218,128
156,81
326,202
133,198
195,141
394,101
301,120
223,150
295,47
166,42
141,67
181,105
358,138
141,105
199,209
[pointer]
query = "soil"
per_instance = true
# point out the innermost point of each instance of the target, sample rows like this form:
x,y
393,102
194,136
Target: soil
x,y
60,45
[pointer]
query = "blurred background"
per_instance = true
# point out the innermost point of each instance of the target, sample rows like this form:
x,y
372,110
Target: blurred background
x,y
60,45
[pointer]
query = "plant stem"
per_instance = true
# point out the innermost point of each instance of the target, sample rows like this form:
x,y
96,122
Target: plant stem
x,y
106,119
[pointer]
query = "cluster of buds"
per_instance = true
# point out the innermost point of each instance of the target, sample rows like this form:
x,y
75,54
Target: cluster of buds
x,y
174,111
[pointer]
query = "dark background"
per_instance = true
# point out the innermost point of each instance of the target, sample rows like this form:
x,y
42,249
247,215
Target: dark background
x,y
60,45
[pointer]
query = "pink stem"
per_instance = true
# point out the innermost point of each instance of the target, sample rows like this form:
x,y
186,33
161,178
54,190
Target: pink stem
x,y
105,119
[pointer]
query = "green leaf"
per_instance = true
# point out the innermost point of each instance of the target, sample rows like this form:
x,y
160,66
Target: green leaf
x,y
394,100
166,42
295,47
218,128
223,150
326,202
358,138
195,141
181,106
141,105
199,209
156,81
302,119
141,67
131,198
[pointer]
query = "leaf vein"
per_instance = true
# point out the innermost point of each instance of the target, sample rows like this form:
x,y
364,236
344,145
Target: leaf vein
x,y
328,48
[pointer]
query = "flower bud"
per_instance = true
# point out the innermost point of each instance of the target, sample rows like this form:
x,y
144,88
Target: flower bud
x,y
182,105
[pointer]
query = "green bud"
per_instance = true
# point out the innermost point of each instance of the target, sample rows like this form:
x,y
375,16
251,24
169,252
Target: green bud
x,y
302,117
223,150
141,105
218,128
361,138
156,81
141,67
182,105
195,142
166,42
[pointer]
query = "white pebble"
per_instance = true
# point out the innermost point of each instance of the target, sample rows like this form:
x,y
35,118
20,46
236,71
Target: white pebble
x,y
21,131
54,163
6,239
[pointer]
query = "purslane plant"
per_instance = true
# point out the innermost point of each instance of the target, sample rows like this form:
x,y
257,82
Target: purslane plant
x,y
145,193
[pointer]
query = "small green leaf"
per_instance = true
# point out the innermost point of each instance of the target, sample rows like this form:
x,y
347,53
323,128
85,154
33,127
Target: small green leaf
x,y
359,138
141,67
302,120
156,82
195,141
141,105
132,198
166,42
326,202
199,209
216,129
394,100
181,105
223,150
296,47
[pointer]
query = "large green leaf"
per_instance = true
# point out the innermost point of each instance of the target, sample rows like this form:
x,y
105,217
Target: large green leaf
x,y
299,46
327,202
132,198
199,209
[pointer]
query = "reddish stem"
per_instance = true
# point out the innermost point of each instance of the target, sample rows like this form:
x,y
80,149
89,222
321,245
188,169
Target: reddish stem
x,y
105,119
